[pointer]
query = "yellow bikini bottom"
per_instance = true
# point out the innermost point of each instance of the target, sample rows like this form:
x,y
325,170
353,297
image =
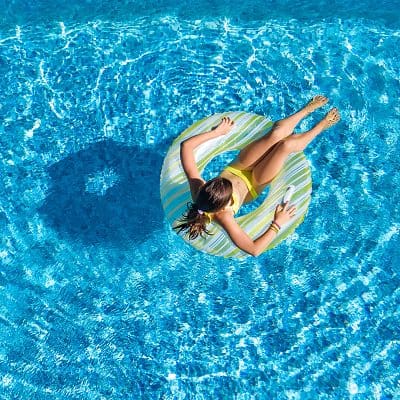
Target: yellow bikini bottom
x,y
245,176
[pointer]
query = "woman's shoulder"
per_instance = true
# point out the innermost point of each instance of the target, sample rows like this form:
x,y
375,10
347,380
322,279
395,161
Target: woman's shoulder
x,y
224,216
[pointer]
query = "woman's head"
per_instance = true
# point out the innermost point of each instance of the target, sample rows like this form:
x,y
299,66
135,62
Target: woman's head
x,y
213,196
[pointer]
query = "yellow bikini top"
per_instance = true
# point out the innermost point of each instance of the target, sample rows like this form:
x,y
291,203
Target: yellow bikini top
x,y
234,207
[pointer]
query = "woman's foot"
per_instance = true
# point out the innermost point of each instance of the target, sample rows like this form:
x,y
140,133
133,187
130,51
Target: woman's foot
x,y
316,102
331,118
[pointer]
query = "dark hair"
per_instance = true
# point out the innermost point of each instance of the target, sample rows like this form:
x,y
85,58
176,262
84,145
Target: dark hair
x,y
212,196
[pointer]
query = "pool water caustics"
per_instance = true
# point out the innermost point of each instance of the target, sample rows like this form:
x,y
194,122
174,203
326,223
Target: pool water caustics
x,y
99,299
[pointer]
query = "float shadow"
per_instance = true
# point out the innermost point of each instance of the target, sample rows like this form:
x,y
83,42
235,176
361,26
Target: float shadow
x,y
106,193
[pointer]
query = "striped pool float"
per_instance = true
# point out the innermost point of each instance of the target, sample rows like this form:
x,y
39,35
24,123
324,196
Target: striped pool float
x,y
175,192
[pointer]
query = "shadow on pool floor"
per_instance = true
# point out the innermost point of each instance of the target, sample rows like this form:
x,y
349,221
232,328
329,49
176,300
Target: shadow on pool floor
x,y
107,193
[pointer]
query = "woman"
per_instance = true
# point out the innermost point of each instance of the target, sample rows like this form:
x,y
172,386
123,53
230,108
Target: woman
x,y
245,178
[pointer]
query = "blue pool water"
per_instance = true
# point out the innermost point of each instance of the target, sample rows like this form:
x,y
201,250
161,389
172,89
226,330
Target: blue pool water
x,y
99,299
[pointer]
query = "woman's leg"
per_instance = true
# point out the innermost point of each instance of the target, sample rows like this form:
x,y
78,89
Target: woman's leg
x,y
270,165
257,150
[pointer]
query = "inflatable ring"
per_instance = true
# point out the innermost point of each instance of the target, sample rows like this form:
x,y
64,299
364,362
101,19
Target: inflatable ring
x,y
175,192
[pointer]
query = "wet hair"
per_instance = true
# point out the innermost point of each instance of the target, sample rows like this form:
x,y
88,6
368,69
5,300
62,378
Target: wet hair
x,y
212,196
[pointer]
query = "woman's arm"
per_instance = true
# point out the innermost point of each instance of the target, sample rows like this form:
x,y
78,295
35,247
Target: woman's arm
x,y
187,153
242,240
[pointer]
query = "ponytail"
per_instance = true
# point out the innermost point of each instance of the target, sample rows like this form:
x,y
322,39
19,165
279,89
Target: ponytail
x,y
193,222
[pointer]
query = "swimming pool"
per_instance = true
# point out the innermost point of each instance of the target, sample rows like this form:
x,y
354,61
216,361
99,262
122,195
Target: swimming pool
x,y
98,298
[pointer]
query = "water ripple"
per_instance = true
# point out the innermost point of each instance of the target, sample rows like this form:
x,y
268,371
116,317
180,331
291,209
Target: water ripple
x,y
99,298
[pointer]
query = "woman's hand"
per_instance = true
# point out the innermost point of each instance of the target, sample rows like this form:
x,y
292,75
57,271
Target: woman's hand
x,y
283,213
224,126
